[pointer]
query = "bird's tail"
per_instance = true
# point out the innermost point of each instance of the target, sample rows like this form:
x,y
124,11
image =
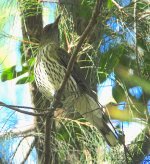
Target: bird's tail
x,y
91,111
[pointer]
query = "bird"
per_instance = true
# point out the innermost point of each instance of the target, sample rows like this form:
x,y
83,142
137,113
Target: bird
x,y
49,70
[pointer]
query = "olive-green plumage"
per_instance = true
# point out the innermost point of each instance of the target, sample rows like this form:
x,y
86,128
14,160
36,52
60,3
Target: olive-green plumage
x,y
50,68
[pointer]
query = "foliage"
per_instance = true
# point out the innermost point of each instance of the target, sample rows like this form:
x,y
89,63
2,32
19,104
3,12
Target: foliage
x,y
12,73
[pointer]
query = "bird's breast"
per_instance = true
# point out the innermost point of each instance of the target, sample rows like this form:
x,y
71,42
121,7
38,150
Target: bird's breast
x,y
49,75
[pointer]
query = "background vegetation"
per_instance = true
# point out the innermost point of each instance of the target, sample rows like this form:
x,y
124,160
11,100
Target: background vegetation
x,y
115,55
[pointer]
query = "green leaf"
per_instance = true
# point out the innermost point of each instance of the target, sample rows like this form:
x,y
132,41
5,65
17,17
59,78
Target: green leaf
x,y
110,4
27,79
31,62
11,73
8,74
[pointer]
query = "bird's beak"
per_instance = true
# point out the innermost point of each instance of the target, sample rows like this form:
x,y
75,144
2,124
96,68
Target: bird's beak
x,y
57,21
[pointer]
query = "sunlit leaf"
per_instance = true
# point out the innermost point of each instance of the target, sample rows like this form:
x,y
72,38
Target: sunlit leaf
x,y
109,4
11,73
8,74
24,80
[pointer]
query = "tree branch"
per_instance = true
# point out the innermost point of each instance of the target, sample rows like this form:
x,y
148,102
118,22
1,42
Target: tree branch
x,y
72,60
23,111
112,111
48,131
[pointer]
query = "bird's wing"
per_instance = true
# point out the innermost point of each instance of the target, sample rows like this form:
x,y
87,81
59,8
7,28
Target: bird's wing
x,y
77,73
87,104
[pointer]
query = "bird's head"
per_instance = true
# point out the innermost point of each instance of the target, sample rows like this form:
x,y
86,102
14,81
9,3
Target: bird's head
x,y
50,33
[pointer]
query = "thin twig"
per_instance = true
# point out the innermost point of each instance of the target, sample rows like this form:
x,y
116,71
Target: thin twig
x,y
18,133
29,151
117,5
26,107
22,111
20,40
20,142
